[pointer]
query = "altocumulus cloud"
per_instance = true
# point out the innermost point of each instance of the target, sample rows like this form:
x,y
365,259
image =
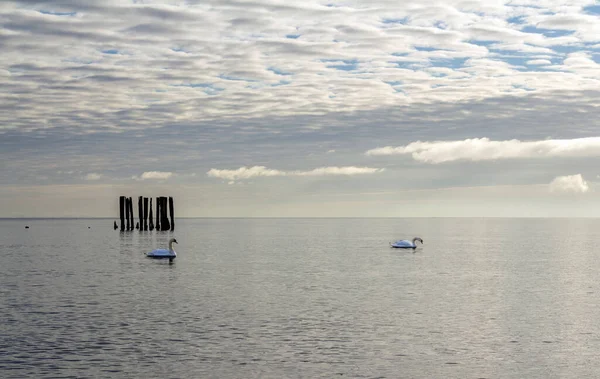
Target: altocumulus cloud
x,y
258,171
300,57
481,149
569,184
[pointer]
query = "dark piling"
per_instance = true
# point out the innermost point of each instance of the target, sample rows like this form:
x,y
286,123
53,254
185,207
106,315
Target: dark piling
x,y
141,212
128,227
131,211
166,225
145,213
150,221
162,211
122,212
172,211
158,213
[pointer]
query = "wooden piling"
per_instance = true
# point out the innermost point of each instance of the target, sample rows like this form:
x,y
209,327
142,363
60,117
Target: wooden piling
x,y
166,202
158,213
161,216
127,213
166,225
162,213
122,209
145,213
141,212
131,211
150,221
172,211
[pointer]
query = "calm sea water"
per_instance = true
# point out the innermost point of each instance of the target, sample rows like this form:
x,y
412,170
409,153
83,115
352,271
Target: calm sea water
x,y
301,298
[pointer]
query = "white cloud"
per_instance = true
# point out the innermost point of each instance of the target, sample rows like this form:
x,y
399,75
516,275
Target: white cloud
x,y
350,170
154,175
581,63
262,171
244,173
569,184
480,149
93,176
539,62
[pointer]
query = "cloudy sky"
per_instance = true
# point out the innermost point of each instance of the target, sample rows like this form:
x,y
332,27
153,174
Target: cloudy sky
x,y
270,108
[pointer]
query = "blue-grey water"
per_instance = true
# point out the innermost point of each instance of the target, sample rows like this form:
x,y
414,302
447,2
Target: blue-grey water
x,y
301,298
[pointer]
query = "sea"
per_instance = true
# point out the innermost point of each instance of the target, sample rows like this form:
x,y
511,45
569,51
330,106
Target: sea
x,y
301,298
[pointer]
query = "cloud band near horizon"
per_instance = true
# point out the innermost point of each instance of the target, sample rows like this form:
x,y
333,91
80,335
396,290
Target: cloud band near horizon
x,y
482,149
262,171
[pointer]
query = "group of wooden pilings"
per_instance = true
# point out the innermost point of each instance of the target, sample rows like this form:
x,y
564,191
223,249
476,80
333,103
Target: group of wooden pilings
x,y
164,205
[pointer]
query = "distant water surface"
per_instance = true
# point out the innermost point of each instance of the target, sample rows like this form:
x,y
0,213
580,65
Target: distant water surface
x,y
301,298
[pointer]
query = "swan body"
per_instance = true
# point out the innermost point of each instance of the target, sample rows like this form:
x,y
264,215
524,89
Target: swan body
x,y
406,244
164,253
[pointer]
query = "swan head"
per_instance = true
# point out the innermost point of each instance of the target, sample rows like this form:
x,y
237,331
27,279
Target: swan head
x,y
417,239
173,240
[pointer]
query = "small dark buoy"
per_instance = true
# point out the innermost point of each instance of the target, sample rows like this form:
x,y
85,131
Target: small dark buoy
x,y
88,227
26,226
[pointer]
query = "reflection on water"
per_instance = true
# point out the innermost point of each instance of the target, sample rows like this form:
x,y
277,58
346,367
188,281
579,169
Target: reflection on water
x,y
275,298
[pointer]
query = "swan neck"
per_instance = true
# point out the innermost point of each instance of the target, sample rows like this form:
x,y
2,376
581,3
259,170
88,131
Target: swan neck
x,y
171,245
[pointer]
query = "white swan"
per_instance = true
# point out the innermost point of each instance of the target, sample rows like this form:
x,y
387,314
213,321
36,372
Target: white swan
x,y
406,244
164,253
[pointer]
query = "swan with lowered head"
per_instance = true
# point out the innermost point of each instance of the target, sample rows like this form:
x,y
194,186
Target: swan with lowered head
x,y
406,244
164,253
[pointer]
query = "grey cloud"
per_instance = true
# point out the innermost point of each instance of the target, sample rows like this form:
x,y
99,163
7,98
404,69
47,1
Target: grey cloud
x,y
150,29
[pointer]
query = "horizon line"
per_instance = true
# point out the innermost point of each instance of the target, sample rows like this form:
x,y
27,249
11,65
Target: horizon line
x,y
292,217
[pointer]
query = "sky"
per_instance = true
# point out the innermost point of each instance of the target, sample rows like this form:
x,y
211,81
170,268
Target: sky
x,y
273,108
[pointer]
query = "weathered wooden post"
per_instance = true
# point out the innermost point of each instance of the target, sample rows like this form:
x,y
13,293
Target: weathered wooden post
x,y
162,213
131,211
157,213
150,221
145,213
162,218
122,209
168,222
127,212
141,212
166,225
172,211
